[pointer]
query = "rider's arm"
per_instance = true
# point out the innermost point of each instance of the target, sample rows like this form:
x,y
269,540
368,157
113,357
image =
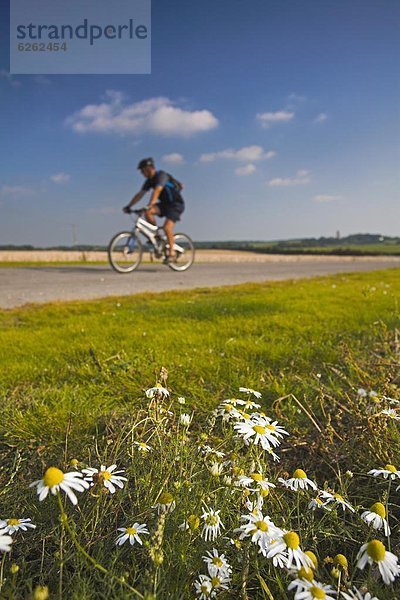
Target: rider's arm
x,y
154,197
136,198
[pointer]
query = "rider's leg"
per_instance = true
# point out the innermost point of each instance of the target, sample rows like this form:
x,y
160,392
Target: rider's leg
x,y
151,212
169,230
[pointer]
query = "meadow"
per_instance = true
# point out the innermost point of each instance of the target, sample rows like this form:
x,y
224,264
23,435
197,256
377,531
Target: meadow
x,y
217,491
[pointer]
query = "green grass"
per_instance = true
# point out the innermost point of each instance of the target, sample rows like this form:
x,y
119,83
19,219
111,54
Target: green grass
x,y
72,381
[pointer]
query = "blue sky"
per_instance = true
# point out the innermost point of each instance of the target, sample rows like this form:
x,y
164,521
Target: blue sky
x,y
280,117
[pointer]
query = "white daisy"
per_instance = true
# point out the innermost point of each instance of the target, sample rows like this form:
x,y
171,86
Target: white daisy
x,y
287,547
298,481
317,503
132,534
337,499
374,552
260,431
216,468
13,525
362,392
212,524
375,516
260,529
313,590
107,476
355,594
254,482
227,411
166,503
250,392
391,413
143,447
203,587
217,563
54,480
388,471
220,581
206,450
185,419
157,392
5,541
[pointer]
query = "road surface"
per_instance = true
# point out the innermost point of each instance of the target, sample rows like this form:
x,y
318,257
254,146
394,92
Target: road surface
x,y
19,286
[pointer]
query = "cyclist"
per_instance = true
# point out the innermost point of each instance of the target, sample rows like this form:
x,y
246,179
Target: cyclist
x,y
166,199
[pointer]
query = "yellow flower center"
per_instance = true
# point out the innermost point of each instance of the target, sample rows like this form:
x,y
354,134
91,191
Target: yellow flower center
x,y
105,475
259,429
313,558
261,525
211,520
300,474
341,560
256,476
131,530
204,589
390,468
245,416
166,498
376,550
52,477
338,497
142,445
379,509
12,522
217,561
292,540
271,427
215,581
317,592
306,573
228,407
264,492
193,522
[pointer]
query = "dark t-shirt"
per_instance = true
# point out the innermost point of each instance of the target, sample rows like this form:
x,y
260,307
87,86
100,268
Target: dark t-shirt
x,y
171,191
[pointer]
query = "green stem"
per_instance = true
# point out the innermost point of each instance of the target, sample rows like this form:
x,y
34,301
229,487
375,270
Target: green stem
x,y
2,570
98,566
387,511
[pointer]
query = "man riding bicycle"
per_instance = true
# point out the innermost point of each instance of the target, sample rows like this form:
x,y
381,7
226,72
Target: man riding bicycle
x,y
166,200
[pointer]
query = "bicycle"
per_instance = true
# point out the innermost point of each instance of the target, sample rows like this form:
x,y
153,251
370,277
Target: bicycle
x,y
125,249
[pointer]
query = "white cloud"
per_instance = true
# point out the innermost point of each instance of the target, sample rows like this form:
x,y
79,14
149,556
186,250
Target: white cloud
x,y
270,118
17,190
321,118
173,159
302,177
245,154
245,170
6,75
60,178
326,198
155,115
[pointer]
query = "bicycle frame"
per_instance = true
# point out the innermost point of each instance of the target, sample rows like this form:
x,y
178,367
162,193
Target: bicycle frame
x,y
150,232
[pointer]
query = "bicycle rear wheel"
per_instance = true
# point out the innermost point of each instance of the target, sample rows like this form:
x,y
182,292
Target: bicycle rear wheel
x,y
125,252
184,252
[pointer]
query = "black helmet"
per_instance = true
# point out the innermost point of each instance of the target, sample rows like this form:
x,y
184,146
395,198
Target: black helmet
x,y
146,162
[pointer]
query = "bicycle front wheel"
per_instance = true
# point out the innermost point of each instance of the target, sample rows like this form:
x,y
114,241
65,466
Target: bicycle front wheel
x,y
125,252
184,252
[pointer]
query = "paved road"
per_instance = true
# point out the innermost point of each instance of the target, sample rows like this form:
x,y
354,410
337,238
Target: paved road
x,y
19,286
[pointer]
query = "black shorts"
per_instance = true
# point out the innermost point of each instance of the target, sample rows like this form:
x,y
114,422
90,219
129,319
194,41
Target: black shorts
x,y
171,210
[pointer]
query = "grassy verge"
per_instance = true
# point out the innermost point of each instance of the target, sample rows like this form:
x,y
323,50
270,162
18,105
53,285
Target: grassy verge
x,y
72,382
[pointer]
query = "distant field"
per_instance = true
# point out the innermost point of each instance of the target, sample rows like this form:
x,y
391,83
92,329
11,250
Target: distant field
x,y
255,253
342,250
